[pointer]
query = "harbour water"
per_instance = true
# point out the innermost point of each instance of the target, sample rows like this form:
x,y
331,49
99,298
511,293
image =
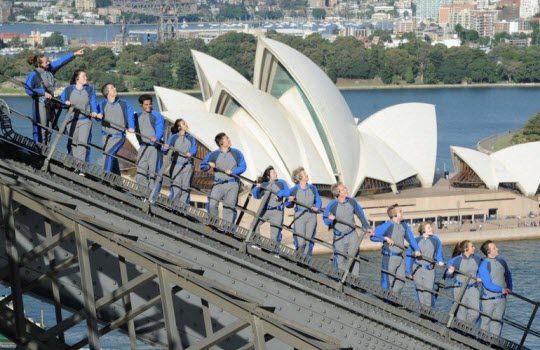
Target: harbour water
x,y
464,116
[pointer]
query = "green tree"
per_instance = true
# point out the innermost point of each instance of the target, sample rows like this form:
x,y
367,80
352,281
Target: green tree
x,y
56,39
234,12
236,50
530,132
100,59
319,13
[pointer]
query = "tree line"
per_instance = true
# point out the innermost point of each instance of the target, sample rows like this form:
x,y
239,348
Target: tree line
x,y
169,64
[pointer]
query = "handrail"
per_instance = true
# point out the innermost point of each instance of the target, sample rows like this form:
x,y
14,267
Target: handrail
x,y
358,258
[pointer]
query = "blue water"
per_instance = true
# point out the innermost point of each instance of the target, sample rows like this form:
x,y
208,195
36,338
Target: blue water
x,y
465,116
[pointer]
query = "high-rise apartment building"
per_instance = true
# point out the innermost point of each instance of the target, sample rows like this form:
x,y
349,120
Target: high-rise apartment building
x,y
528,8
429,9
484,22
85,5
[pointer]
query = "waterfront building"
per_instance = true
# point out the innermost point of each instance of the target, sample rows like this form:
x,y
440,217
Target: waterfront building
x,y
514,168
293,114
85,5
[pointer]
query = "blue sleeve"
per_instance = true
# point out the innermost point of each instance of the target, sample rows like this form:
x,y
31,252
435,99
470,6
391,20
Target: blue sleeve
x,y
239,170
439,251
378,233
287,203
65,94
326,220
100,107
256,192
62,61
193,149
93,99
160,126
318,202
130,116
32,83
452,262
285,191
169,140
409,261
484,275
410,238
204,164
360,213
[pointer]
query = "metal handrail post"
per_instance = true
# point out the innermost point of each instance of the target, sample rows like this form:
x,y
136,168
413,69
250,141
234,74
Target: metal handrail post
x,y
61,131
529,325
457,302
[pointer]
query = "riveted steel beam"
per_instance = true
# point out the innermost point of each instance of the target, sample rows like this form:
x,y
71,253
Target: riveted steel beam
x,y
87,286
12,254
173,338
218,336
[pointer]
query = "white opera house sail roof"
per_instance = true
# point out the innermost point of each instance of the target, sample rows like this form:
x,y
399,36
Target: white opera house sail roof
x,y
293,115
516,167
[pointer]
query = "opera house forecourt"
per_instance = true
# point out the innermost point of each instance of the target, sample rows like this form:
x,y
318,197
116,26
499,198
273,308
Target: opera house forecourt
x,y
293,115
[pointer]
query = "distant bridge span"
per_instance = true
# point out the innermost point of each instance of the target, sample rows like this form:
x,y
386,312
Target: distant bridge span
x,y
160,274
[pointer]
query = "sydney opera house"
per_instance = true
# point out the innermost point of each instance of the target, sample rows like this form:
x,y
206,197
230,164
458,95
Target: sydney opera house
x,y
292,114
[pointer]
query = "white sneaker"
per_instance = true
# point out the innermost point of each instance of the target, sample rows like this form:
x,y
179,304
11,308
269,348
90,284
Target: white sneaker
x,y
82,174
255,247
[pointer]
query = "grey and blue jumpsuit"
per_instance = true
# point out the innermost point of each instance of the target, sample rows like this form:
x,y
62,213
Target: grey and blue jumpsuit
x,y
117,117
346,240
393,260
305,221
181,171
80,130
274,208
38,82
149,158
422,271
468,311
495,276
226,187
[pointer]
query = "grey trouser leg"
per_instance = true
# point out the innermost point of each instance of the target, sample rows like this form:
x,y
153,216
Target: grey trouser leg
x,y
45,134
346,245
146,166
471,303
304,226
494,308
395,265
111,146
424,279
229,193
81,135
181,182
275,217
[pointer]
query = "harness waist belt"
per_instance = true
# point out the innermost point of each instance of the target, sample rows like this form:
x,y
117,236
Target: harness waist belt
x,y
339,233
502,296
114,136
470,285
219,181
425,267
389,253
271,207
